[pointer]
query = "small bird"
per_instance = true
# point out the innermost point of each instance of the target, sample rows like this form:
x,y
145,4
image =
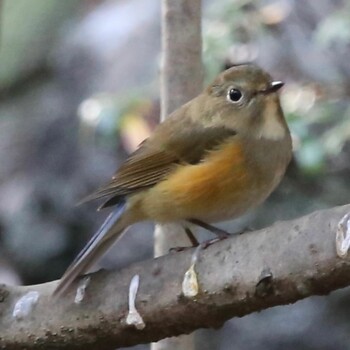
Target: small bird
x,y
212,159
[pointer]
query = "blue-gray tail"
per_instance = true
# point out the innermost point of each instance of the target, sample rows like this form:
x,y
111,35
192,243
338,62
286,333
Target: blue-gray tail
x,y
100,242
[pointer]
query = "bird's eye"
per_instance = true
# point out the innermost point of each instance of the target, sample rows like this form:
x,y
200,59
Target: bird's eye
x,y
234,95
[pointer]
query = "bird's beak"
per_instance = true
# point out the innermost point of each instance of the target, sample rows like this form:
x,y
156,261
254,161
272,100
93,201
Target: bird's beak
x,y
275,86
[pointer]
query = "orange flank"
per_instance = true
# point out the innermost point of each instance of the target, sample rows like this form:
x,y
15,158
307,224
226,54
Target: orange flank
x,y
211,187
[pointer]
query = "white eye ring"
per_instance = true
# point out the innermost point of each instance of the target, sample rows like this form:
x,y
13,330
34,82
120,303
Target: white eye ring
x,y
234,95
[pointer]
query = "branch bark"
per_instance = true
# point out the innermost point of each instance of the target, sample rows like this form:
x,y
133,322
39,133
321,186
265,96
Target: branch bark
x,y
181,80
278,265
182,72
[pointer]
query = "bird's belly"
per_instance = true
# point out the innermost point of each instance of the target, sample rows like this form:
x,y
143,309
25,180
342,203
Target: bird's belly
x,y
220,188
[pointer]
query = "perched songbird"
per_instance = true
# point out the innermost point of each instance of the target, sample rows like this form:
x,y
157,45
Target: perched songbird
x,y
214,158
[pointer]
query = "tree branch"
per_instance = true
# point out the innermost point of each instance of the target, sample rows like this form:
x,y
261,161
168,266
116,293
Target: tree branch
x,y
182,70
181,80
278,265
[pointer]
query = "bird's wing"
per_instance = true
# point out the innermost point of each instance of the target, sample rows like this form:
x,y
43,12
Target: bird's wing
x,y
157,157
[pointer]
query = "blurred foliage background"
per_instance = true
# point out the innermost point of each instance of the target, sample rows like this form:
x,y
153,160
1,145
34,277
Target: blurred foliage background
x,y
79,90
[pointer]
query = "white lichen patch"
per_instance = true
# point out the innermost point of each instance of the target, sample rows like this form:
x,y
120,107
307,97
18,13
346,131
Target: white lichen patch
x,y
190,284
25,305
342,240
190,287
134,318
80,294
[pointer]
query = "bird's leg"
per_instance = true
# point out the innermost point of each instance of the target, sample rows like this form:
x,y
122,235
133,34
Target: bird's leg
x,y
221,234
191,237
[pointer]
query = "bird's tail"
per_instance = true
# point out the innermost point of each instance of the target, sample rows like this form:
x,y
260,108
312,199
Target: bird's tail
x,y
101,241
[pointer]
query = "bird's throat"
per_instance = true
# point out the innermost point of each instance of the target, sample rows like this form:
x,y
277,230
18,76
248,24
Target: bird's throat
x,y
273,127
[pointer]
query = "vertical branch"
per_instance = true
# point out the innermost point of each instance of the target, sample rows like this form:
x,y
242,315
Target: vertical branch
x,y
181,75
1,14
181,80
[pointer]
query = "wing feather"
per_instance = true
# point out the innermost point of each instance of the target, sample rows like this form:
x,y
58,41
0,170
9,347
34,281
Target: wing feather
x,y
158,156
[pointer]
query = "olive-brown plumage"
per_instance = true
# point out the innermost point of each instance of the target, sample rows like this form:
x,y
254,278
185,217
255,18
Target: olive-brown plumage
x,y
214,158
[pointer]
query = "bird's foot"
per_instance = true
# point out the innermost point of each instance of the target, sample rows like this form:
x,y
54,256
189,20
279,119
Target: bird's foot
x,y
208,243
